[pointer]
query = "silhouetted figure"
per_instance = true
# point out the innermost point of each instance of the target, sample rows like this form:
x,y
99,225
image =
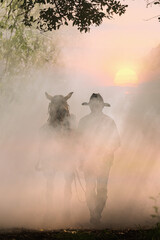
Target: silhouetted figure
x,y
56,149
100,139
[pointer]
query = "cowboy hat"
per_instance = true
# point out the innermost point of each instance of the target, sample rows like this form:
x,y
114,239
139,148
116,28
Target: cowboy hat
x,y
97,97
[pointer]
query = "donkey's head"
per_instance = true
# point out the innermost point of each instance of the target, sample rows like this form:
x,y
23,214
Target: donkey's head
x,y
58,109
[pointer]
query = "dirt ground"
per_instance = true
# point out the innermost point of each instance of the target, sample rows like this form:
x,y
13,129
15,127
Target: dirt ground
x,y
70,234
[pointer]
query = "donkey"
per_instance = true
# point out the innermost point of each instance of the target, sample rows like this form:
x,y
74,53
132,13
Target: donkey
x,y
55,153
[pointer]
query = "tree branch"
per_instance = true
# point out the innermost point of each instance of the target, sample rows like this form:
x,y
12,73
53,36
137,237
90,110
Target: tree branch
x,y
152,18
152,2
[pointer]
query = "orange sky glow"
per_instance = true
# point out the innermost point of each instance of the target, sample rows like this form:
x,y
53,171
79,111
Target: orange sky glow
x,y
118,43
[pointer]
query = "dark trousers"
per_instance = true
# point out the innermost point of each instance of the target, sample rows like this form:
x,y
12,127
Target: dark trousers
x,y
96,190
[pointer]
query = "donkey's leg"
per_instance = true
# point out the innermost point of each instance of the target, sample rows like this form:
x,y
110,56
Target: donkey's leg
x,y
49,192
69,177
49,196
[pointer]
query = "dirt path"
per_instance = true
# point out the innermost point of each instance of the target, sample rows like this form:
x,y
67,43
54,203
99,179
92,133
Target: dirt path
x,y
20,234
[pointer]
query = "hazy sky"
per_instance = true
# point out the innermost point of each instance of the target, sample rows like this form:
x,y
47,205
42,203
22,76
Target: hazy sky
x,y
121,42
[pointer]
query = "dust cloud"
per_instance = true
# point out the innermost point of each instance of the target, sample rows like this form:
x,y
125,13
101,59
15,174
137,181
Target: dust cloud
x,y
134,176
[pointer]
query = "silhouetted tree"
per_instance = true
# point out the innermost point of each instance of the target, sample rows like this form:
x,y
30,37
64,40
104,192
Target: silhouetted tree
x,y
155,2
52,14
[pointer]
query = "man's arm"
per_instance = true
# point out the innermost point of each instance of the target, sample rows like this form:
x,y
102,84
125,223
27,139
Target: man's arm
x,y
115,141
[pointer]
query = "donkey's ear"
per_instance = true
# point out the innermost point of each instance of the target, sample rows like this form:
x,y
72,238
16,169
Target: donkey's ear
x,y
48,96
85,104
68,96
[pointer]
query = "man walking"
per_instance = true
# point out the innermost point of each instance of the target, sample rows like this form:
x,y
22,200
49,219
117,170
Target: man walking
x,y
100,139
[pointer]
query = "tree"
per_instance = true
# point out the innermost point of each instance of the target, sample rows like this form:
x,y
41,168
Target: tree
x,y
155,2
50,15
22,48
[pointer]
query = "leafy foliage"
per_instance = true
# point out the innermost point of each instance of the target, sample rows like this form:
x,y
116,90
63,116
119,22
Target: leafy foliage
x,y
52,14
24,49
21,47
156,208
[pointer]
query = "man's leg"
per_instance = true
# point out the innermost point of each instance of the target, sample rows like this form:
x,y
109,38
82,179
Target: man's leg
x,y
102,184
90,193
101,196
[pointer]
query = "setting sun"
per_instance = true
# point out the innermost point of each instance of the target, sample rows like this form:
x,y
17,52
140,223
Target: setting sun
x,y
126,76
